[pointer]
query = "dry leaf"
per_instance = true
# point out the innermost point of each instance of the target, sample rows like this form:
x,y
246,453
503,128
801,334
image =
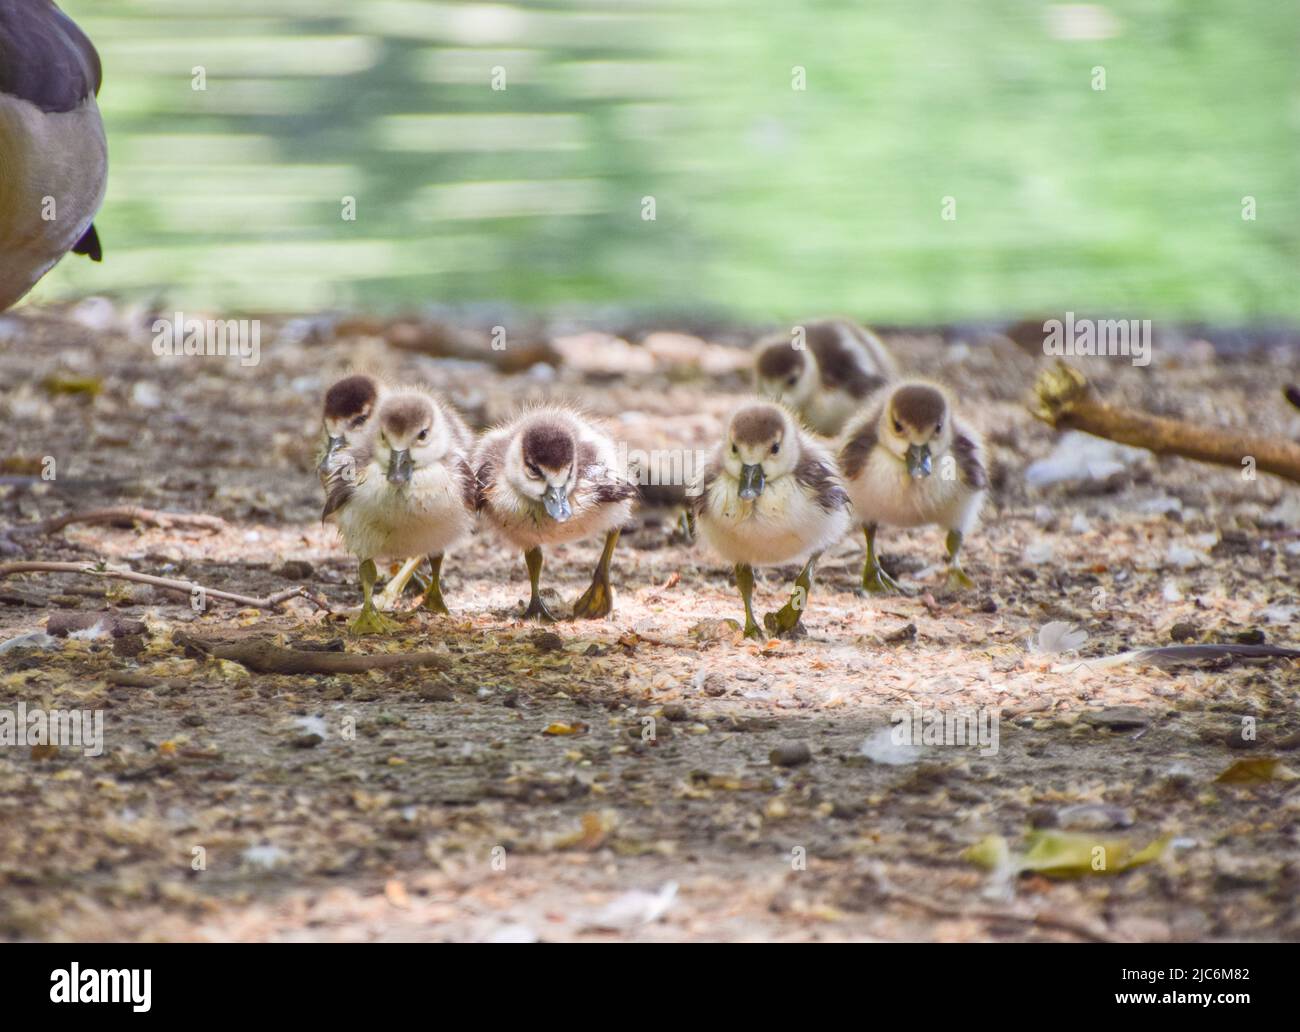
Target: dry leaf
x,y
1256,769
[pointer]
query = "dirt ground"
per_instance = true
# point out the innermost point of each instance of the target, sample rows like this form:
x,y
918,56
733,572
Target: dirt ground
x,y
641,777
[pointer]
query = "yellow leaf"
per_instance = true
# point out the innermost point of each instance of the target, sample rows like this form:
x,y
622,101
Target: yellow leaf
x,y
576,728
63,383
990,852
1064,854
395,892
1255,769
592,834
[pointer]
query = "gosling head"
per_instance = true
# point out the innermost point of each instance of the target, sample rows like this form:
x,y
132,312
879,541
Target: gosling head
x,y
762,445
785,373
541,465
915,426
348,407
412,435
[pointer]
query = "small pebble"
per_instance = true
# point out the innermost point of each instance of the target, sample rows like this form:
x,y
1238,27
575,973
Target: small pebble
x,y
1118,718
546,641
791,754
295,569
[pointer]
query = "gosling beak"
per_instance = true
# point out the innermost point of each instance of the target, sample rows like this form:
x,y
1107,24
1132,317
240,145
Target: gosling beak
x,y
751,481
399,467
333,445
918,461
557,503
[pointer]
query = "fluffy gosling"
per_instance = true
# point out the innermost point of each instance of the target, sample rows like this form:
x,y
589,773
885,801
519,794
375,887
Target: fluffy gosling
x,y
550,476
412,493
349,404
770,495
827,380
888,457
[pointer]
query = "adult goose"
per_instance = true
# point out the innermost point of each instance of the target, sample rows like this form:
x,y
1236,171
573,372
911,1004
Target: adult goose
x,y
53,155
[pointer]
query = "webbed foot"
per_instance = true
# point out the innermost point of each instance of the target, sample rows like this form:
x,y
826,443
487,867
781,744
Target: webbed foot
x,y
875,581
538,610
958,580
596,602
371,621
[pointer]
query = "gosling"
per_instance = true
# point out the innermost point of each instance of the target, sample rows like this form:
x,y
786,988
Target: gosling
x,y
888,457
770,495
550,476
826,375
412,494
349,404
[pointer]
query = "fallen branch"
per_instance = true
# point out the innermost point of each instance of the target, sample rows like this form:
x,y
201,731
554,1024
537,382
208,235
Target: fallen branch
x,y
264,657
1065,400
166,583
1039,918
1170,656
443,340
122,513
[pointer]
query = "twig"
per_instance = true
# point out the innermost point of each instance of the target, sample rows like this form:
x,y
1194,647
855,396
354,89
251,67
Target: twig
x,y
114,514
1065,400
166,583
1083,929
264,657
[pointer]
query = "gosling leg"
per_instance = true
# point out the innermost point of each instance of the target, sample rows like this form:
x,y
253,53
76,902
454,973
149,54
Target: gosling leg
x,y
784,623
370,620
958,580
537,609
875,581
598,600
433,593
745,582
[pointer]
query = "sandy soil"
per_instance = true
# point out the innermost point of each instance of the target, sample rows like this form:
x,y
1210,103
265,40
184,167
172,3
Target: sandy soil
x,y
641,777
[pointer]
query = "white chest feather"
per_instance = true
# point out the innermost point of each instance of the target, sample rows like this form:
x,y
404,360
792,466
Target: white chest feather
x,y
525,523
884,492
53,170
781,525
425,517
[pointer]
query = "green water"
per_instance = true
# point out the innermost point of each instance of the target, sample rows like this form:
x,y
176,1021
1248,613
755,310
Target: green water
x,y
770,201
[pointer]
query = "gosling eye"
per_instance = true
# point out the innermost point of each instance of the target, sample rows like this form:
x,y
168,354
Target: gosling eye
x,y
422,436
357,422
793,380
938,428
776,447
898,427
734,449
534,472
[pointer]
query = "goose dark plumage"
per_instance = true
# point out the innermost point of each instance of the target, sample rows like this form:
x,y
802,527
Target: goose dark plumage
x,y
53,154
